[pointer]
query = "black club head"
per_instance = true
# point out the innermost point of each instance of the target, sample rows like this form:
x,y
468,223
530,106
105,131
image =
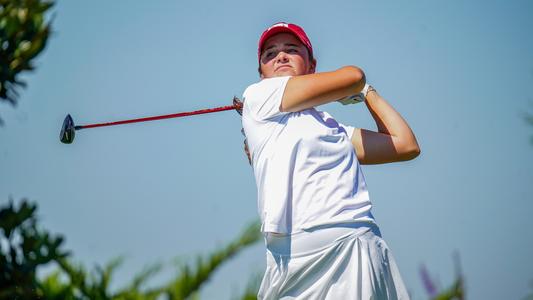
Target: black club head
x,y
68,131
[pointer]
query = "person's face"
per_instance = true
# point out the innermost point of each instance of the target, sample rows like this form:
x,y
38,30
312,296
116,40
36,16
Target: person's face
x,y
284,55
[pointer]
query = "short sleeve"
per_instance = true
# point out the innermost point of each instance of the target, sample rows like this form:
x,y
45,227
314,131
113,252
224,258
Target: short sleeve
x,y
348,129
263,99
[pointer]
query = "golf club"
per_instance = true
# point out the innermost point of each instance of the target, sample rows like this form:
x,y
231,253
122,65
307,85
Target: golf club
x,y
68,130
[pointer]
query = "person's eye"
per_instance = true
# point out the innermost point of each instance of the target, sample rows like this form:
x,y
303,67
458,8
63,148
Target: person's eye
x,y
269,54
292,50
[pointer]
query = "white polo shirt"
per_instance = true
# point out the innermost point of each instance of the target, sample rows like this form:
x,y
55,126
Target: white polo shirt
x,y
305,166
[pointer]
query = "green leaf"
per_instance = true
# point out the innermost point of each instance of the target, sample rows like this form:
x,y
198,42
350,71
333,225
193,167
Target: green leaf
x,y
23,36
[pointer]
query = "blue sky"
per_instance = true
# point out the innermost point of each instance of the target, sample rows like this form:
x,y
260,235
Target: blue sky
x,y
460,72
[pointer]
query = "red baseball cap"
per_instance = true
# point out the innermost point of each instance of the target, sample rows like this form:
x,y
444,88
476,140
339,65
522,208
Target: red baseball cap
x,y
285,27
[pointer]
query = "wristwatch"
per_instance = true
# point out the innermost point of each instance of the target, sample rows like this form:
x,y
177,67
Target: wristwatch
x,y
367,89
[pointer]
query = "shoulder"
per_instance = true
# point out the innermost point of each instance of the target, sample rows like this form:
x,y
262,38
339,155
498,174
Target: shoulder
x,y
264,86
262,99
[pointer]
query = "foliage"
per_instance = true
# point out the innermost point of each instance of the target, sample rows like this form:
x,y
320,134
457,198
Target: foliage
x,y
192,278
23,35
186,285
24,247
455,291
74,282
530,296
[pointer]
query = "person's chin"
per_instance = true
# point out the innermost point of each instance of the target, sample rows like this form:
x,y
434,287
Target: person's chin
x,y
284,72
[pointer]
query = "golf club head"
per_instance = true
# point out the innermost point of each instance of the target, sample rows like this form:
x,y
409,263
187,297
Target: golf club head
x,y
68,131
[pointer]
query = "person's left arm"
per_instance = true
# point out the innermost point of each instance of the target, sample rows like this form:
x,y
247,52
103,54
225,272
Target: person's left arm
x,y
394,141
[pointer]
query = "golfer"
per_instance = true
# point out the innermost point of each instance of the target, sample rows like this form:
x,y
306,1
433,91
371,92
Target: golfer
x,y
321,238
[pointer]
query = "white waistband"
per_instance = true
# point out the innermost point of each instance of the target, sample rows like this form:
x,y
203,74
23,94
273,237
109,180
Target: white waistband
x,y
307,242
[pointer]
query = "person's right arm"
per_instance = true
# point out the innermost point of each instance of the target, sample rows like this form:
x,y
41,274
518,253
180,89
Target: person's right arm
x,y
306,91
393,142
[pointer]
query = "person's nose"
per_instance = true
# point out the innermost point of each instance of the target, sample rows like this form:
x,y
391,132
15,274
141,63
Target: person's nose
x,y
282,57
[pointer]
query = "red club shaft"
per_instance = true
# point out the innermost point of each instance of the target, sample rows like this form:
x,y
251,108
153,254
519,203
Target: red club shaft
x,y
182,114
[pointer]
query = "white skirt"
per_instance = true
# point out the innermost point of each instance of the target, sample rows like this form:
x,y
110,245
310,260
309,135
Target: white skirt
x,y
340,262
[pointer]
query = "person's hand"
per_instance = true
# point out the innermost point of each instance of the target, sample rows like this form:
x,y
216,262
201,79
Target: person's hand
x,y
353,99
357,98
238,104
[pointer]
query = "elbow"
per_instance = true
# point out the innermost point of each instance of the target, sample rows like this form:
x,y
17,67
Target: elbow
x,y
355,76
414,153
410,152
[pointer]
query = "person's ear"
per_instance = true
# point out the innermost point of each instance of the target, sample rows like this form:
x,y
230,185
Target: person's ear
x,y
260,72
312,66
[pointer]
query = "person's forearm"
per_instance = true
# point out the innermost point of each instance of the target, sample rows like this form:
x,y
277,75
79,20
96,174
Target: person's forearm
x,y
306,91
390,122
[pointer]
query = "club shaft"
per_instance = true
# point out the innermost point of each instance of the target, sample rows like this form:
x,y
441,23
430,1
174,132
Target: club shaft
x,y
146,119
